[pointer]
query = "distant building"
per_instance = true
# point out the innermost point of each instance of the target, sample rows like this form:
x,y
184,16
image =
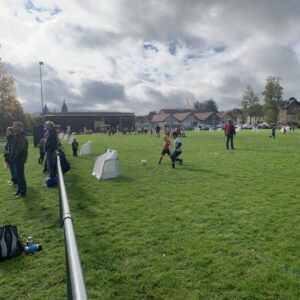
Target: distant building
x,y
185,119
200,106
45,110
173,111
95,121
142,122
163,120
225,116
288,112
208,118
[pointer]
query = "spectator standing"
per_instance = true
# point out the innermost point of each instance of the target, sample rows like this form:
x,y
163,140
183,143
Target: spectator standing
x,y
7,150
157,130
19,153
273,132
229,131
51,145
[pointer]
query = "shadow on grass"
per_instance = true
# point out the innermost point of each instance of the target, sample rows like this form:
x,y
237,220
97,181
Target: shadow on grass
x,y
121,178
40,208
195,168
264,151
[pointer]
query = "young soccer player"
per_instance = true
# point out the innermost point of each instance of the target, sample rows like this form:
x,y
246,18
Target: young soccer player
x,y
42,151
166,148
177,150
75,147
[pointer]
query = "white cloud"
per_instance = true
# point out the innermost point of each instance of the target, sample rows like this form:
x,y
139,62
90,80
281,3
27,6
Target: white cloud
x,y
150,54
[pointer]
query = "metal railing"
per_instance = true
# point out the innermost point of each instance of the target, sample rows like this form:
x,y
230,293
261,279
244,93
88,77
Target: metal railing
x,y
75,281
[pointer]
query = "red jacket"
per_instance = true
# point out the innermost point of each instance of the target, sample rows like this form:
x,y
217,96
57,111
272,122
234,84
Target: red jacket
x,y
229,129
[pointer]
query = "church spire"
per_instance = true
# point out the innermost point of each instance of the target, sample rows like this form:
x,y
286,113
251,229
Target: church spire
x,y
64,107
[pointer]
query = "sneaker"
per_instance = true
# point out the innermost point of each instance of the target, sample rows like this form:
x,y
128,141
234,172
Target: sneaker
x,y
21,195
173,166
181,162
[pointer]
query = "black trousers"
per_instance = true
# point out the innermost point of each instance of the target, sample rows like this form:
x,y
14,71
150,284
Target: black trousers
x,y
174,157
229,138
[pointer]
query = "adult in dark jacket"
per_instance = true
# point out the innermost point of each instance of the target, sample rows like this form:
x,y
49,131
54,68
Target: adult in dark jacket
x,y
51,146
157,130
7,150
229,131
18,155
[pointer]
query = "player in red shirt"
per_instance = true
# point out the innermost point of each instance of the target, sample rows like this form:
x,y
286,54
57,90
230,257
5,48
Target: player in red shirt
x,y
166,148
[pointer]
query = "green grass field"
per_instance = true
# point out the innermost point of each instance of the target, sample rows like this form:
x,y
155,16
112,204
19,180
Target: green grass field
x,y
225,225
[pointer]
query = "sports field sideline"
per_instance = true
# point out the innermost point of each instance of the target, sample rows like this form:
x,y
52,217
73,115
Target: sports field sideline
x,y
225,225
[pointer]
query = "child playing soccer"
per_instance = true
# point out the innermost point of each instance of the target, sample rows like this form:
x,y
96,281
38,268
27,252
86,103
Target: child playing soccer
x,y
166,148
75,147
177,150
42,151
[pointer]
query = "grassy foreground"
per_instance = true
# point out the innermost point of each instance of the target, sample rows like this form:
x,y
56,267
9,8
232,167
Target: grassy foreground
x,y
225,225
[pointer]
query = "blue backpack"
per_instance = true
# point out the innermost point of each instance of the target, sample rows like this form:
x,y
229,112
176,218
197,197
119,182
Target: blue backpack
x,y
51,182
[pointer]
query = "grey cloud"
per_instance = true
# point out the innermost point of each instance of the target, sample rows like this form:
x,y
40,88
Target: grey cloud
x,y
102,92
28,87
88,37
155,100
202,23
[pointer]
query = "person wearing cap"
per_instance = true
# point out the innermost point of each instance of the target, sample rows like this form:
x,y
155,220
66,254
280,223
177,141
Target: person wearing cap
x,y
229,131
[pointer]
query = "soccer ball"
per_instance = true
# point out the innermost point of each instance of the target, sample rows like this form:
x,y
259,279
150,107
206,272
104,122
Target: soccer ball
x,y
144,162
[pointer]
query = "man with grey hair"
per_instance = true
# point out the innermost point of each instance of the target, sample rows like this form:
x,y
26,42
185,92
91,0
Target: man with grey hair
x,y
18,154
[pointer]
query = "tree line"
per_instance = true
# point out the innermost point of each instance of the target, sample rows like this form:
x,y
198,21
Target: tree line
x,y
272,101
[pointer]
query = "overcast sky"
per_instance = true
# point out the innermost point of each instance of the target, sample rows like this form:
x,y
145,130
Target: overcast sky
x,y
144,55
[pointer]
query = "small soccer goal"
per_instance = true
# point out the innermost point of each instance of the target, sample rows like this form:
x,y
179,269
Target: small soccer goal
x,y
107,165
86,148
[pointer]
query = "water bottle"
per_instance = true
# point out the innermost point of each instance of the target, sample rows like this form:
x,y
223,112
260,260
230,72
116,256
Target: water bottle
x,y
29,241
33,248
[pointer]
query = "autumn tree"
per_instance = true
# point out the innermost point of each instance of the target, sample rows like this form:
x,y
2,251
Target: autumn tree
x,y
10,108
272,98
250,103
236,113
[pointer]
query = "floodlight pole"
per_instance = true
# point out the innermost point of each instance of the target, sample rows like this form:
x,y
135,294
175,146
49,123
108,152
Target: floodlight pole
x,y
42,100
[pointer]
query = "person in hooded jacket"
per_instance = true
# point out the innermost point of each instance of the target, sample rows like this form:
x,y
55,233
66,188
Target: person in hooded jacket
x,y
18,155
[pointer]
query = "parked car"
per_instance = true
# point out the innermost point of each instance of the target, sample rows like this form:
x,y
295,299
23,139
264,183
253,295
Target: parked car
x,y
246,126
203,127
264,126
